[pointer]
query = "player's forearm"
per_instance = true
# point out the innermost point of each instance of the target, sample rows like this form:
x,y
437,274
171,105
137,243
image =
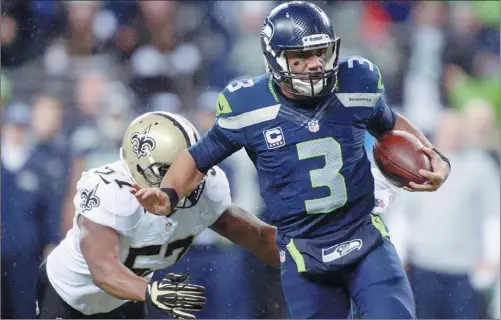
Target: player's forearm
x,y
249,232
183,175
115,279
403,124
260,240
267,250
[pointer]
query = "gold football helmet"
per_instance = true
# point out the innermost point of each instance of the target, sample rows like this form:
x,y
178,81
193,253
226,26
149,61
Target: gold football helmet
x,y
150,145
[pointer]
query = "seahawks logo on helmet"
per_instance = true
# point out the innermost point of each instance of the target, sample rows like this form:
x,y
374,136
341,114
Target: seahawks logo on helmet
x,y
142,142
89,199
267,32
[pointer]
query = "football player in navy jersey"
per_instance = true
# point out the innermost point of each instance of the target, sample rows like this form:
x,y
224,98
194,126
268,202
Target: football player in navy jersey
x,y
303,125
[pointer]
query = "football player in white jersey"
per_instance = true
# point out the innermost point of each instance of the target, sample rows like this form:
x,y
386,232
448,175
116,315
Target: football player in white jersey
x,y
103,267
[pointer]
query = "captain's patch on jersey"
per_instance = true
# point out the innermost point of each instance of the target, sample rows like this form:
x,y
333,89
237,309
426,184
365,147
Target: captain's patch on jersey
x,y
274,138
142,142
89,199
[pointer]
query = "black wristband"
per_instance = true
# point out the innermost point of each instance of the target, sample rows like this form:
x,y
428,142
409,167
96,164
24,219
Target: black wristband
x,y
173,197
443,157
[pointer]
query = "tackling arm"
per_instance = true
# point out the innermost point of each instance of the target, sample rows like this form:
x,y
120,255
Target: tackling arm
x,y
249,232
101,249
191,165
183,176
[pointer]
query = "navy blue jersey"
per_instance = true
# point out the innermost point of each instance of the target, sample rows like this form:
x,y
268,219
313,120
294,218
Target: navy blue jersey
x,y
313,170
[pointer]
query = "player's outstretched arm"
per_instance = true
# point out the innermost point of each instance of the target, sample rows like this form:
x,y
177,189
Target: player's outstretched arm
x,y
101,250
183,176
249,232
185,173
181,179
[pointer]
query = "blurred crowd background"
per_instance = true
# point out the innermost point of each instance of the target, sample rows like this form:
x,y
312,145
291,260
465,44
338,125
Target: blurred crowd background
x,y
74,73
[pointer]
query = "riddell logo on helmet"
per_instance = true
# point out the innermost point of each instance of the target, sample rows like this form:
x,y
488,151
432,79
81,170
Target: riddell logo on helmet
x,y
315,39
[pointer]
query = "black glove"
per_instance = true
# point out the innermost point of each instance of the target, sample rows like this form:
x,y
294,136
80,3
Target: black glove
x,y
173,297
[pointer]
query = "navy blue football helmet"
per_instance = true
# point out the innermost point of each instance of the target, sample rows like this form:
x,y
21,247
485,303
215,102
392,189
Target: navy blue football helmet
x,y
300,26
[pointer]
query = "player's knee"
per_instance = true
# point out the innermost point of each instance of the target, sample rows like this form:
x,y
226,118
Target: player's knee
x,y
393,299
390,308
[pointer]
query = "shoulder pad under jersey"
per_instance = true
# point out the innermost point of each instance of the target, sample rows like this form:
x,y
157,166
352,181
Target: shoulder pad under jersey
x,y
241,96
247,102
359,82
103,197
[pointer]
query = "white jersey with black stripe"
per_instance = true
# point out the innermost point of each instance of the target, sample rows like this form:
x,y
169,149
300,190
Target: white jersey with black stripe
x,y
148,242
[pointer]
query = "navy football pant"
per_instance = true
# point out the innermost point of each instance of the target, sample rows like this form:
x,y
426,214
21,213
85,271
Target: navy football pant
x,y
377,285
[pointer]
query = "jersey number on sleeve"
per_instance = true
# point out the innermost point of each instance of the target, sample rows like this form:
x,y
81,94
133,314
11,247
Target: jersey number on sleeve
x,y
327,176
240,84
154,250
108,171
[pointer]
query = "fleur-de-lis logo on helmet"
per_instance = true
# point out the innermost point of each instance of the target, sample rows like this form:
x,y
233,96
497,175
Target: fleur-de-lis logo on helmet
x,y
89,199
142,142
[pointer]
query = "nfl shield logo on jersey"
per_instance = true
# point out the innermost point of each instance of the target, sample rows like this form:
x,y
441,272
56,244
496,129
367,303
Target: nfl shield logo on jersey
x,y
282,256
313,126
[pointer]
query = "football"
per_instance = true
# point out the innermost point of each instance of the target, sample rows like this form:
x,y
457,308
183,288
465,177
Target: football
x,y
399,156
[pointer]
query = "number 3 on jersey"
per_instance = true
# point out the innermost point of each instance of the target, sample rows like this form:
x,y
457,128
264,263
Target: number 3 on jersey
x,y
327,176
